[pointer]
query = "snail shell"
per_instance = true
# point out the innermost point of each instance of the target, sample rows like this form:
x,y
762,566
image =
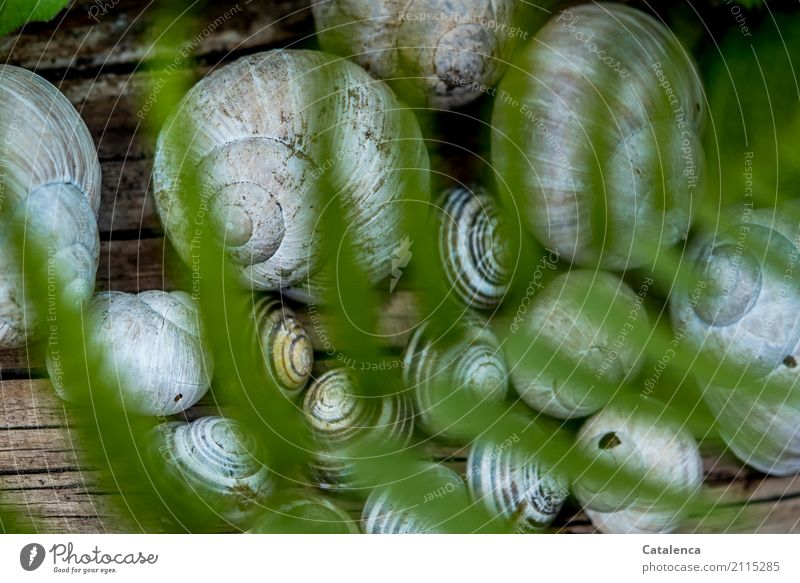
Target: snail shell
x,y
216,459
613,114
660,452
259,129
473,248
337,416
382,514
588,318
449,60
153,349
437,364
742,312
50,181
512,486
307,513
285,345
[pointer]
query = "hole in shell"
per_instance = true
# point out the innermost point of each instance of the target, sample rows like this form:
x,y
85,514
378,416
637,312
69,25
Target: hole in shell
x,y
178,397
790,361
609,441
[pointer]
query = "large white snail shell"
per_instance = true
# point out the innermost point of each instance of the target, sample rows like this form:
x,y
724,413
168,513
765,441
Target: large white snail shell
x,y
510,485
154,350
50,183
473,247
450,53
586,318
439,364
285,345
606,107
740,309
215,457
259,133
661,452
337,416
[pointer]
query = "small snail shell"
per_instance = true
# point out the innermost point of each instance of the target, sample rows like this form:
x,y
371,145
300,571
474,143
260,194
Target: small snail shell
x,y
216,459
258,131
285,345
50,180
153,349
510,485
742,311
437,364
612,113
383,513
660,452
447,53
472,247
587,318
307,513
337,416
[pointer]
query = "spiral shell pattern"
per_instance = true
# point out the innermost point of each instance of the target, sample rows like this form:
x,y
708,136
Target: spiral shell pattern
x,y
307,513
473,248
285,345
511,486
466,358
337,416
50,183
153,349
659,451
217,459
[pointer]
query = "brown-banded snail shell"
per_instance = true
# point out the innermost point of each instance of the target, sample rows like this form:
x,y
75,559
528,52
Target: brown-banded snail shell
x,y
658,452
740,308
216,458
285,345
50,183
598,133
510,484
585,322
438,364
307,513
337,417
473,248
446,53
153,350
259,135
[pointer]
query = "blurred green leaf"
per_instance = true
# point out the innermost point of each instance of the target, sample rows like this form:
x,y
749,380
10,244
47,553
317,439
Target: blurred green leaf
x,y
16,13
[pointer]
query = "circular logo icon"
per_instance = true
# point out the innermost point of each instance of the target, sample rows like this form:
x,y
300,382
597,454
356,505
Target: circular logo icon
x,y
31,556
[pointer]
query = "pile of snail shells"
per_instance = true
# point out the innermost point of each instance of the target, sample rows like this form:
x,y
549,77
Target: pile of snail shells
x,y
433,51
657,452
217,459
256,148
337,416
154,354
473,247
438,364
50,187
579,329
598,136
738,311
304,513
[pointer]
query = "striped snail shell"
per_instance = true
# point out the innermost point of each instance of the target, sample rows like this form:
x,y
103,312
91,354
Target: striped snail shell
x,y
263,131
740,310
307,513
285,345
50,182
216,458
472,247
437,364
153,349
384,513
447,55
511,485
658,451
337,416
585,321
611,120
